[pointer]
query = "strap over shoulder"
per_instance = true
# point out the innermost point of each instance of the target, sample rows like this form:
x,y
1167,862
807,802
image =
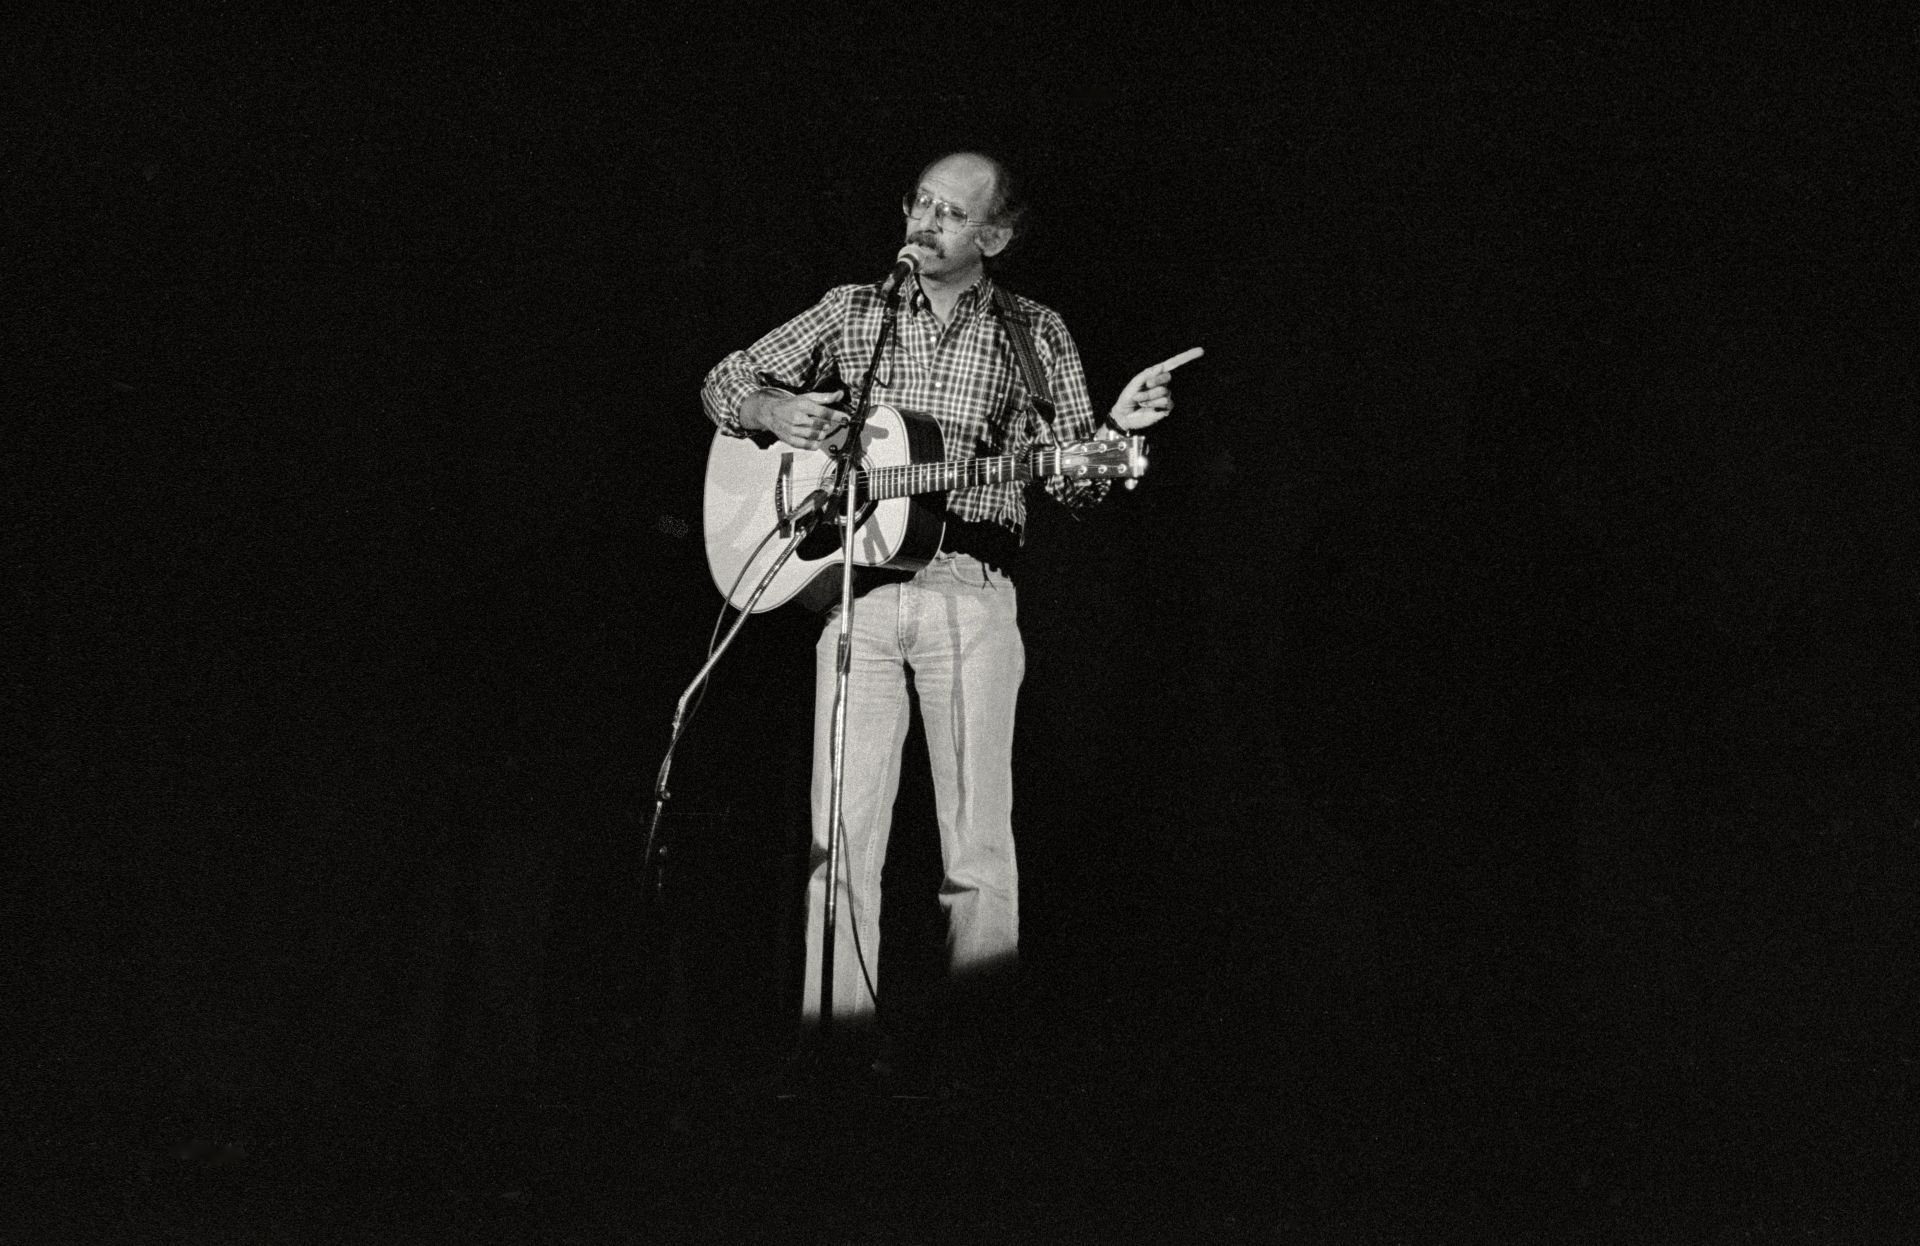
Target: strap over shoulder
x,y
1020,330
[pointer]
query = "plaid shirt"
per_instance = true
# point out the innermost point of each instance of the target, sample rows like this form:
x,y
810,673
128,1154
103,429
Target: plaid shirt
x,y
967,378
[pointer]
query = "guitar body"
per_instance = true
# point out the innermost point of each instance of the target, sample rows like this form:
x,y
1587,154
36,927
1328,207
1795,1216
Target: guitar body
x,y
755,483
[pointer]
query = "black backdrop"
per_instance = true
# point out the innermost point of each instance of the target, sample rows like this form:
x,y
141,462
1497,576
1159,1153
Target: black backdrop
x,y
1505,666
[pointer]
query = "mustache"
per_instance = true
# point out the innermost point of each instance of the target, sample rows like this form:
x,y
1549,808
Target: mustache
x,y
930,241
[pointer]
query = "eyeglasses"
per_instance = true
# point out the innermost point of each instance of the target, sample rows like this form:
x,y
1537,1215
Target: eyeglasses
x,y
945,215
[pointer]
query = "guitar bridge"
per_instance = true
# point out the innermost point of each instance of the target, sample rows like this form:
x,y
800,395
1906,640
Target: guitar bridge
x,y
783,495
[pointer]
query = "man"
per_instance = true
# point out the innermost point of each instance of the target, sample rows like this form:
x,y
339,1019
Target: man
x,y
953,624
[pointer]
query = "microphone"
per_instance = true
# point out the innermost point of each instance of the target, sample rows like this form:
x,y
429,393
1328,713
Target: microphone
x,y
905,269
810,509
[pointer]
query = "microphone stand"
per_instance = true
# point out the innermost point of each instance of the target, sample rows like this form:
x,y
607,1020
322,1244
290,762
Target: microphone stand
x,y
654,847
847,456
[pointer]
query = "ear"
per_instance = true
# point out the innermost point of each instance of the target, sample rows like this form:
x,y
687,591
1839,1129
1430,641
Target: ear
x,y
994,239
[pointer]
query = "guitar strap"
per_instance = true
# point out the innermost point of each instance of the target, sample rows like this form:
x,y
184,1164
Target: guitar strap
x,y
1007,308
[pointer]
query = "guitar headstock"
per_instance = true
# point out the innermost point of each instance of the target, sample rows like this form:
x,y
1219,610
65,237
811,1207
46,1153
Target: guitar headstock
x,y
1107,457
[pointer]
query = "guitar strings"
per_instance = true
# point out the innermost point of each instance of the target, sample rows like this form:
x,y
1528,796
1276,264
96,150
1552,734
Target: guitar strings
x,y
909,478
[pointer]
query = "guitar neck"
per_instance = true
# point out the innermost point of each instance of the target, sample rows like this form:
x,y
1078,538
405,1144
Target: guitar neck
x,y
880,483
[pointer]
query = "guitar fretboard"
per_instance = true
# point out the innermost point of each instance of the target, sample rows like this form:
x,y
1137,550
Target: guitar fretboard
x,y
880,483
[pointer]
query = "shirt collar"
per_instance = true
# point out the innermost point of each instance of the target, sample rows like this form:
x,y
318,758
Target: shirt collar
x,y
972,299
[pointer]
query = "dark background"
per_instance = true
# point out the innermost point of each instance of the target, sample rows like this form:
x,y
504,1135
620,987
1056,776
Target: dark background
x,y
1470,782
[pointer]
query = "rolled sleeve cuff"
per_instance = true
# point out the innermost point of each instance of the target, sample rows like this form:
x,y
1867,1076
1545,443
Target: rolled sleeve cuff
x,y
722,395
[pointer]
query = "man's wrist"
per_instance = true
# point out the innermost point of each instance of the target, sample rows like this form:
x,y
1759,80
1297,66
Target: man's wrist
x,y
751,413
744,418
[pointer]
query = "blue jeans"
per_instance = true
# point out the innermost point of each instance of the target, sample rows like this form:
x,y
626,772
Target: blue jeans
x,y
955,626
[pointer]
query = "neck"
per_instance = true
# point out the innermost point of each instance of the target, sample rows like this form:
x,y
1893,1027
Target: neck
x,y
944,291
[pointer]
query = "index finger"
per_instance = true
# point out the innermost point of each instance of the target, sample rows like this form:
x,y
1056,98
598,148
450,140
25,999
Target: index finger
x,y
1185,356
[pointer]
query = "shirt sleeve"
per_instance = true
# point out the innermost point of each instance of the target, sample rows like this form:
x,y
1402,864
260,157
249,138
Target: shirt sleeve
x,y
797,356
1072,408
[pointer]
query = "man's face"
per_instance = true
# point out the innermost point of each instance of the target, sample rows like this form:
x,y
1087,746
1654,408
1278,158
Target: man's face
x,y
947,250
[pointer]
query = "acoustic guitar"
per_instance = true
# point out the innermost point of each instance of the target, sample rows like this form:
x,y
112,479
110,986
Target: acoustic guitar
x,y
758,489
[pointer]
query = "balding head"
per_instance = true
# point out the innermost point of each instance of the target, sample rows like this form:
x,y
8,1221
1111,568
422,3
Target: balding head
x,y
1003,205
960,222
